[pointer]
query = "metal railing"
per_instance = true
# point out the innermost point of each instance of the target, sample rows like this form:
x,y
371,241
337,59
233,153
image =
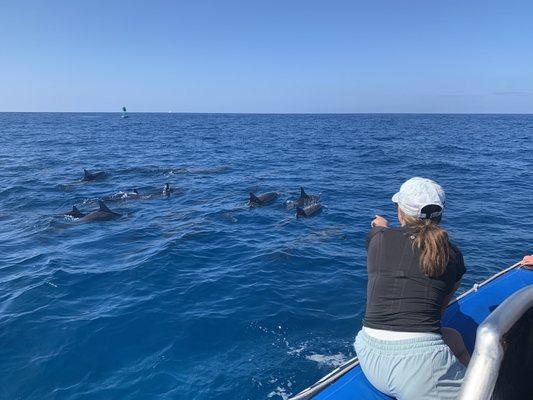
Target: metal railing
x,y
484,367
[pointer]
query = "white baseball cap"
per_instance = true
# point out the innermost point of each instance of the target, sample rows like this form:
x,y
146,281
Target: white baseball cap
x,y
420,198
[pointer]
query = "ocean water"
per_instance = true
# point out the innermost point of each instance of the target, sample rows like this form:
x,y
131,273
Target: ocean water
x,y
197,296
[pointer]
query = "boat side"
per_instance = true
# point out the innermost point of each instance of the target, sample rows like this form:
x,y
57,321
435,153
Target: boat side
x,y
464,313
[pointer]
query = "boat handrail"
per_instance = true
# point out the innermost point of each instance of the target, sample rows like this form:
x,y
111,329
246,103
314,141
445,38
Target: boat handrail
x,y
476,286
338,372
484,367
326,380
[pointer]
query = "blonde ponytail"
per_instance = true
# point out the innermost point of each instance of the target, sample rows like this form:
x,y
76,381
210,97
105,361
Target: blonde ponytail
x,y
433,244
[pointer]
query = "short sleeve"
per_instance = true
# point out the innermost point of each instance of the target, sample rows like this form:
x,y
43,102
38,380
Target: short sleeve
x,y
373,232
459,263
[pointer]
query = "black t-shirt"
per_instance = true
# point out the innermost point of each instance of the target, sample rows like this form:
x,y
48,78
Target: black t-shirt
x,y
400,297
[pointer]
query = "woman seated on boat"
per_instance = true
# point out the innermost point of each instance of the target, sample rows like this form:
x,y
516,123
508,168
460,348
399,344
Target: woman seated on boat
x,y
413,272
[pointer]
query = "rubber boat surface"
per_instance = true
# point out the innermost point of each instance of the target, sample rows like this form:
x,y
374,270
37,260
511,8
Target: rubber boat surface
x,y
465,314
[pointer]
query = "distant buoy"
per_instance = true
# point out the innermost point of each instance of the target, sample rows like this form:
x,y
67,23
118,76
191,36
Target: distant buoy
x,y
124,113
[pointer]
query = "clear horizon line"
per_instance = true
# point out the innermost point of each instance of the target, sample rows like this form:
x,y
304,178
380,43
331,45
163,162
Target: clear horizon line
x,y
267,113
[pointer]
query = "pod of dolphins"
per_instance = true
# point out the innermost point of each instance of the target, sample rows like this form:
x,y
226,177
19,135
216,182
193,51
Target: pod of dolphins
x,y
306,205
104,213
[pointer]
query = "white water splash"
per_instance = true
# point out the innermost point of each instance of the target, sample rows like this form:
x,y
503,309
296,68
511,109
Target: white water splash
x,y
334,360
280,392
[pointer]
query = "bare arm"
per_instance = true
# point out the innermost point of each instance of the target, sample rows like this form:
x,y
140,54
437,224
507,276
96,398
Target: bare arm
x,y
452,337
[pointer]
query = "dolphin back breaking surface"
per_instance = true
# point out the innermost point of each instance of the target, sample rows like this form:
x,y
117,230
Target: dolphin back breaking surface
x,y
304,199
75,213
308,211
102,214
262,199
92,176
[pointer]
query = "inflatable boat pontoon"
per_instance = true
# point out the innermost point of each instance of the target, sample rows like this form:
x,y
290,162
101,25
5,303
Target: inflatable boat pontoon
x,y
495,318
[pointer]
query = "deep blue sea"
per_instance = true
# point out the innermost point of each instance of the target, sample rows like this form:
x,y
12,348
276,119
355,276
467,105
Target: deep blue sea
x,y
197,296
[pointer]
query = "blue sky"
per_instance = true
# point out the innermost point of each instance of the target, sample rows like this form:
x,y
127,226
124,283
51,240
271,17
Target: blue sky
x,y
267,56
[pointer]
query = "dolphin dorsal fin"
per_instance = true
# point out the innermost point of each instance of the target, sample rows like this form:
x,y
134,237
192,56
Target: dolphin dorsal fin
x,y
86,173
103,207
254,198
303,195
75,209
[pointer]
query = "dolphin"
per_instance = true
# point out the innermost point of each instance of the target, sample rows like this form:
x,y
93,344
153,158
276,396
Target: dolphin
x,y
305,199
134,194
75,213
102,214
167,190
92,176
308,211
262,199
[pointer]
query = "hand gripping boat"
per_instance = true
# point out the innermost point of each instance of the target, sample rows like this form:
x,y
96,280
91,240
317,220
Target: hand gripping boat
x,y
495,318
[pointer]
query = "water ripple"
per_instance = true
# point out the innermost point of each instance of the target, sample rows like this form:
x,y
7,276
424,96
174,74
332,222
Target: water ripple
x,y
197,296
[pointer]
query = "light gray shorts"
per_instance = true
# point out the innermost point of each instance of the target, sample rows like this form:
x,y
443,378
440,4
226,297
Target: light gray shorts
x,y
411,369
